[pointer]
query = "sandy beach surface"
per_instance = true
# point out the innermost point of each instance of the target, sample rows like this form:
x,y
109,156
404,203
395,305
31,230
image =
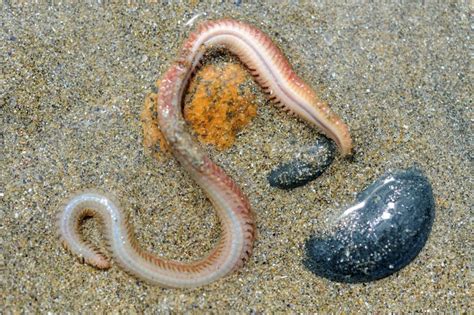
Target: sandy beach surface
x,y
72,86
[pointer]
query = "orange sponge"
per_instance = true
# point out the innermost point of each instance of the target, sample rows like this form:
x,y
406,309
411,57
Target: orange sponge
x,y
219,103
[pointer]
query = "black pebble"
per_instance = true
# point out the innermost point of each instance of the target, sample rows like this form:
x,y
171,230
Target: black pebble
x,y
313,161
380,234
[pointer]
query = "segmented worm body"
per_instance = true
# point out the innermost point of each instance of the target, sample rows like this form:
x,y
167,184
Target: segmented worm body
x,y
273,72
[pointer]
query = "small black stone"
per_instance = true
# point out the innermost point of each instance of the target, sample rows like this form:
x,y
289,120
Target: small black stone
x,y
311,163
379,235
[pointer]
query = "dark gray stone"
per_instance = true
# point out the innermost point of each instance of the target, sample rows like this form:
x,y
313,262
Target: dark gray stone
x,y
380,234
307,166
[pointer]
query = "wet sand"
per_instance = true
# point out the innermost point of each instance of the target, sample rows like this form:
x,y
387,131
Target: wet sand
x,y
73,84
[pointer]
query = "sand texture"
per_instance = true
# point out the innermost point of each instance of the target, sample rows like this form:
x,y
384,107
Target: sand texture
x,y
72,87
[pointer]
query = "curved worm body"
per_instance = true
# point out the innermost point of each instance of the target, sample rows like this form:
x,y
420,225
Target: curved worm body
x,y
273,72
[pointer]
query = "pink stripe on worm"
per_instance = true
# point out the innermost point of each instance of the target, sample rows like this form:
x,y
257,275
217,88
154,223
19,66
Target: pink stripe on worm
x,y
273,72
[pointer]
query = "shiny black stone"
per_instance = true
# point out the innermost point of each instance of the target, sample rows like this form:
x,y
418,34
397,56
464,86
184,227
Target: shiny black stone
x,y
309,164
380,234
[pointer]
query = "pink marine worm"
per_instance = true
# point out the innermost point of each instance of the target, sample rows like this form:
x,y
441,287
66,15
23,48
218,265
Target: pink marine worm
x,y
274,74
